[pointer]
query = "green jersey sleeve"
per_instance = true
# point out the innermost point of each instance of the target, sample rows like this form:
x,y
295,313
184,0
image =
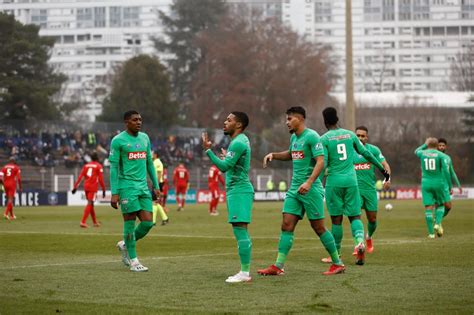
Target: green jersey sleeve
x,y
418,151
114,158
235,150
453,174
316,146
446,172
378,154
325,152
359,147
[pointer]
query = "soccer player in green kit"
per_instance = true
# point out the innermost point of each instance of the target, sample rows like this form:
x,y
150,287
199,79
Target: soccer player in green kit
x,y
239,190
306,192
342,192
434,178
442,146
366,181
130,160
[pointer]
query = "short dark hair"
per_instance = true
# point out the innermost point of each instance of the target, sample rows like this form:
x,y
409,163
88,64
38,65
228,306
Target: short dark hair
x,y
129,114
296,110
330,116
242,118
94,156
363,128
442,140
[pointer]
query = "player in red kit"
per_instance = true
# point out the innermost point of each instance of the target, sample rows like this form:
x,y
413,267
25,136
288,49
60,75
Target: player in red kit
x,y
213,180
180,182
93,174
9,176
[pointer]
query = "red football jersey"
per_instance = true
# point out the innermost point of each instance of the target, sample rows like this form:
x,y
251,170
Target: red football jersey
x,y
93,173
180,176
11,174
214,177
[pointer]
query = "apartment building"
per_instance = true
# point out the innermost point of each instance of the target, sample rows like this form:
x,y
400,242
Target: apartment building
x,y
92,38
398,45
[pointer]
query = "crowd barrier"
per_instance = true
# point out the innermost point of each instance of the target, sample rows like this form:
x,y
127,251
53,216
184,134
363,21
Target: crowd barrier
x,y
36,198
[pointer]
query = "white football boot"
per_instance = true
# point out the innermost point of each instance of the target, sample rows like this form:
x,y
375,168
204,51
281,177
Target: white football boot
x,y
123,250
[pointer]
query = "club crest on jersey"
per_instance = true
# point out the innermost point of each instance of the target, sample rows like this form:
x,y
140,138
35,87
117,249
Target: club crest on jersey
x,y
141,155
297,155
137,145
362,166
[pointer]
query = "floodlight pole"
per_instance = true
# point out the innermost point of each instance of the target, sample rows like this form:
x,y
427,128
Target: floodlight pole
x,y
350,103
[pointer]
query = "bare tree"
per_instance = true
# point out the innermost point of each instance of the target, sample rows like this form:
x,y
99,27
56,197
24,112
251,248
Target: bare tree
x,y
258,66
378,71
462,70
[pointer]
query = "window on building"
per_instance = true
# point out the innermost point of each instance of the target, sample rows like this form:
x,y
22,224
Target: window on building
x,y
68,39
452,30
438,31
115,16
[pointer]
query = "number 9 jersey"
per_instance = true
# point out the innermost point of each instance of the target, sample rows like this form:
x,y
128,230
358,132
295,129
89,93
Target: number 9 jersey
x,y
340,148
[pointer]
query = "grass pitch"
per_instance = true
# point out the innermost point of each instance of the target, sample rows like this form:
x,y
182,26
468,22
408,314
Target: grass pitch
x,y
48,264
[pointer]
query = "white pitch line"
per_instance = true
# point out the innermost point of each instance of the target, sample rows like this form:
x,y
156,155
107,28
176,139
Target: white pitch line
x,y
386,242
189,236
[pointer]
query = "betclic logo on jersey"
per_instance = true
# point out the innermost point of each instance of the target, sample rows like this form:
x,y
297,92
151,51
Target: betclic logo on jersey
x,y
141,155
297,155
362,166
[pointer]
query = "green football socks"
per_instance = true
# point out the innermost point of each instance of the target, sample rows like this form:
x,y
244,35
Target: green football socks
x,y
337,232
429,221
329,243
357,229
439,214
142,229
129,238
371,226
244,245
284,247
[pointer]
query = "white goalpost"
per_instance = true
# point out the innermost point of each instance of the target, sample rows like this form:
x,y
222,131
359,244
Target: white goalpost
x,y
63,182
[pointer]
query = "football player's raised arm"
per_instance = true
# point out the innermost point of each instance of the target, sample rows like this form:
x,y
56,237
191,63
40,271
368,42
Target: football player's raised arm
x,y
235,151
420,148
359,147
282,156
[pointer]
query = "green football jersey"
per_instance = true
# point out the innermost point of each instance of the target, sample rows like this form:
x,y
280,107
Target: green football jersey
x,y
131,158
304,149
236,165
365,170
434,166
340,146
